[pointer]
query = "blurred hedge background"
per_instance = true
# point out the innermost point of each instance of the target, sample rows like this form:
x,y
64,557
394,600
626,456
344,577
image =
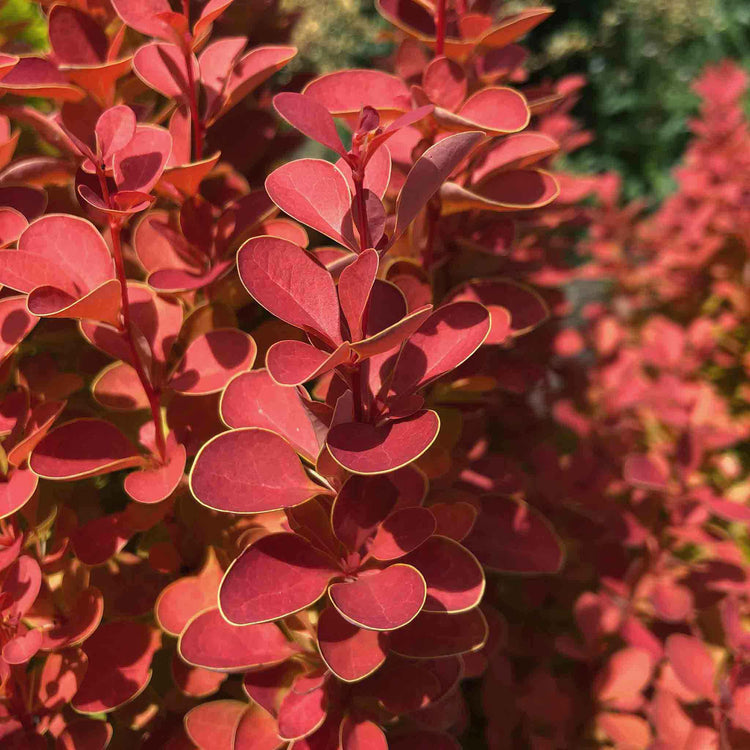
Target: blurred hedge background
x,y
639,57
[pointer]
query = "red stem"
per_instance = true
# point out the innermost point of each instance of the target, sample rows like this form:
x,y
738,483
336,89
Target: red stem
x,y
127,326
194,116
359,197
440,28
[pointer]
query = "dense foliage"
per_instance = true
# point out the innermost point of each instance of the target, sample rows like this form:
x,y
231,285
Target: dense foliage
x,y
309,453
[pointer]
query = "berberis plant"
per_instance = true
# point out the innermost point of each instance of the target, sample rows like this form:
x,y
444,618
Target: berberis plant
x,y
253,417
266,531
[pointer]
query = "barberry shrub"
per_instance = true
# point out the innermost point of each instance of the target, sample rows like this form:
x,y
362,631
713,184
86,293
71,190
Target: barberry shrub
x,y
244,396
638,452
270,427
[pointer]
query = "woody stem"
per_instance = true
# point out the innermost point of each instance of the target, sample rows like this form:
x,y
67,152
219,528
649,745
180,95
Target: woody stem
x,y
359,197
194,115
152,395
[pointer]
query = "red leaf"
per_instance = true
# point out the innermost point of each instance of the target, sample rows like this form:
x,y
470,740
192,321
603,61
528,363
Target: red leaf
x,y
292,363
187,178
119,388
351,653
12,225
97,540
23,646
256,731
152,484
361,506
119,656
83,448
512,537
345,92
16,490
102,303
512,190
444,82
65,260
362,735
693,665
516,152
446,339
496,110
82,620
502,296
271,478
310,118
139,165
303,709
186,597
75,37
163,68
209,641
626,730
267,687
254,399
142,15
35,76
291,285
315,193
209,13
626,674
60,677
114,130
21,585
433,635
252,70
455,580
212,360
214,724
403,685
368,449
216,62
158,320
647,472
381,600
428,174
276,576
671,601
355,284
392,336
454,520
403,531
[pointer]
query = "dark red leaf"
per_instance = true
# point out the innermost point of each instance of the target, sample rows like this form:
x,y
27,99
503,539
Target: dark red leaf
x,y
276,576
119,655
351,653
403,531
381,600
317,194
368,449
271,475
83,448
209,641
434,635
512,537
290,284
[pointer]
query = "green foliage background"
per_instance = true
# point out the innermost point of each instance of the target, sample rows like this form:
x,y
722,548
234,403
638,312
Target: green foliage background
x,y
640,59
